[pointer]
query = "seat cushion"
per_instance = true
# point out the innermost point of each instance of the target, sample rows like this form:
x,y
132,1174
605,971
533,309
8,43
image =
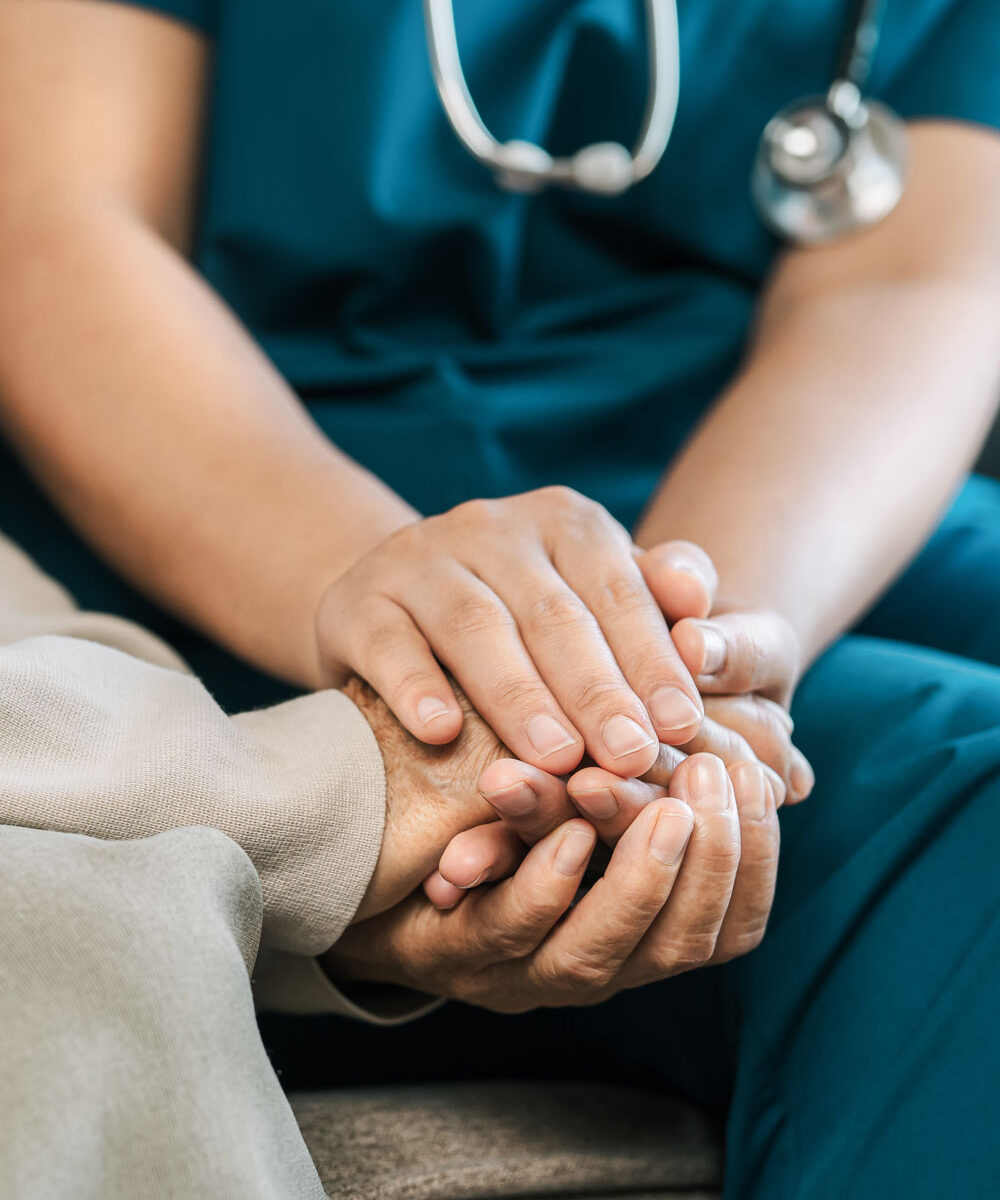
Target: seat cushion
x,y
464,1141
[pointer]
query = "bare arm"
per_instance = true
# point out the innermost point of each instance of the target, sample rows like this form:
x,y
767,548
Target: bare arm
x,y
166,437
869,387
132,392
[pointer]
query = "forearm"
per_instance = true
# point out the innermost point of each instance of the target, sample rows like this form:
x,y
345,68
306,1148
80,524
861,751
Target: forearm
x,y
826,464
168,439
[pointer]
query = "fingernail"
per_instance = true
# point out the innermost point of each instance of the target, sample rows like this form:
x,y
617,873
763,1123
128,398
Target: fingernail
x,y
432,709
752,797
547,736
670,836
573,852
801,777
624,736
669,708
711,784
715,649
599,803
518,800
466,887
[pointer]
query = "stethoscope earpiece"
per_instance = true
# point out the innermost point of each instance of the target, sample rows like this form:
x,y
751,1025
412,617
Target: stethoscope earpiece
x,y
827,165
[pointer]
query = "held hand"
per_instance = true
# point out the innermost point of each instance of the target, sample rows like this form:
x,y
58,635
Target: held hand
x,y
689,883
748,664
740,730
537,606
431,796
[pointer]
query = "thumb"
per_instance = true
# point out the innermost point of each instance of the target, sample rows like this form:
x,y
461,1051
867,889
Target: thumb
x,y
681,577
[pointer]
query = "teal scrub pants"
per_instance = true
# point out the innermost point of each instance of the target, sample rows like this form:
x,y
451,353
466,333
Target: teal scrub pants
x,y
857,1051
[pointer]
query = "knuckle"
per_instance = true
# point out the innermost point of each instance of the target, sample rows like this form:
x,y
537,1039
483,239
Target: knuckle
x,y
738,942
518,693
513,941
576,972
675,955
560,496
472,614
376,644
595,690
475,512
556,611
620,593
410,680
729,745
721,859
406,541
578,510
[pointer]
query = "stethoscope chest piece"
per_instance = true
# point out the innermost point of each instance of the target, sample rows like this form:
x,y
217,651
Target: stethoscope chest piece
x,y
828,165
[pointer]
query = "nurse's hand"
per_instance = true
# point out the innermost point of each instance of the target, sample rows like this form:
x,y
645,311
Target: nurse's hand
x,y
537,607
680,891
741,730
747,665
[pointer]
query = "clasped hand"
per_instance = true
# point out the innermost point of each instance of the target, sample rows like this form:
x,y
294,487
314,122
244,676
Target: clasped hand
x,y
689,820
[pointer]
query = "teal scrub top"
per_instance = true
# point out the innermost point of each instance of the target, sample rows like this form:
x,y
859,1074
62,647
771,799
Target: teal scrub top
x,y
462,341
519,340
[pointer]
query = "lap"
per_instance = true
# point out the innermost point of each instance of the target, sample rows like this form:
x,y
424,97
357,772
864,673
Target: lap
x,y
866,1018
854,1046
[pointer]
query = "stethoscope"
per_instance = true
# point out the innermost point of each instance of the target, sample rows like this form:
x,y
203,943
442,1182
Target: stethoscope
x,y
825,165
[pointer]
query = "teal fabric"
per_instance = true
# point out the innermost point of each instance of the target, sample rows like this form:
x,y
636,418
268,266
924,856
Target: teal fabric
x,y
556,338
460,341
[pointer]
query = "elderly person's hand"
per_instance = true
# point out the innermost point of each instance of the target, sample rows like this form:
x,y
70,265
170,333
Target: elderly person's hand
x,y
683,888
431,795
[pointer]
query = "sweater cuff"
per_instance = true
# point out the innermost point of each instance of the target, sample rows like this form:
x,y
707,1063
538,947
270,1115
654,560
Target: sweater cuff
x,y
289,983
324,817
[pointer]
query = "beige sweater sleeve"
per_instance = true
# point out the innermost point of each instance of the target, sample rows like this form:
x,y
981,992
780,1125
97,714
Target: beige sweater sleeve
x,y
106,733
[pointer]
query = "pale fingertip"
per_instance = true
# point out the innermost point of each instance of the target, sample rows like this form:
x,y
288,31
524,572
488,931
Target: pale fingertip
x,y
779,791
801,778
688,561
463,868
785,717
441,893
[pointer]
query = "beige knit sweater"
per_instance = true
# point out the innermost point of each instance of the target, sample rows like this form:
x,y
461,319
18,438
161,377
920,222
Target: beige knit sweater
x,y
104,731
